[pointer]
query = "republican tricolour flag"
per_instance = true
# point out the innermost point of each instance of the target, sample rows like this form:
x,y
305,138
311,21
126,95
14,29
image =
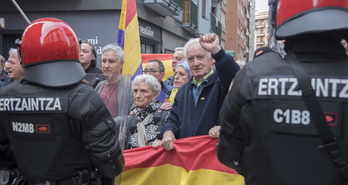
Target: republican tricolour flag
x,y
129,39
192,162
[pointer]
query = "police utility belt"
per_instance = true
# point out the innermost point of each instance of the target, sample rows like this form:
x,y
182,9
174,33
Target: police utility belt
x,y
83,177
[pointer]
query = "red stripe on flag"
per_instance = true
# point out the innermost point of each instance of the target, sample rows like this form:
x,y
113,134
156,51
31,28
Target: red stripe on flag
x,y
190,153
161,57
166,60
131,11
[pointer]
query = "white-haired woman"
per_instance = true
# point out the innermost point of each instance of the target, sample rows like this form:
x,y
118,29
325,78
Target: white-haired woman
x,y
146,124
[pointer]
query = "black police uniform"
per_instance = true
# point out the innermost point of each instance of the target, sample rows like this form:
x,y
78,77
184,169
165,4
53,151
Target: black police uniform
x,y
267,133
57,132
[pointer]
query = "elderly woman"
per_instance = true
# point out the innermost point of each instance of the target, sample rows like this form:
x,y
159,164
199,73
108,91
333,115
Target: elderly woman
x,y
181,76
146,124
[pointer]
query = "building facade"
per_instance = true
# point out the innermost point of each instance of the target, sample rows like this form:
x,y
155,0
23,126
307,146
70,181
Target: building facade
x,y
239,28
223,15
261,29
163,24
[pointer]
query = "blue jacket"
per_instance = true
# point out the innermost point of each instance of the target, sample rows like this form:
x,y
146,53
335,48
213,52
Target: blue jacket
x,y
186,119
165,92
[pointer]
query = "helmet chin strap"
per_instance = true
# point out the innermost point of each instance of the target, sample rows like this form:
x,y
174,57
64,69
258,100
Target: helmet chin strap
x,y
21,11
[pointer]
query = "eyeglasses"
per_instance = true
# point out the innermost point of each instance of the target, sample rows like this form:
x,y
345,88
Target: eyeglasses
x,y
151,71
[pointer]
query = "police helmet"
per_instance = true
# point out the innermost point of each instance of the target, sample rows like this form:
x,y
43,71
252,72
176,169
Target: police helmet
x,y
49,51
289,18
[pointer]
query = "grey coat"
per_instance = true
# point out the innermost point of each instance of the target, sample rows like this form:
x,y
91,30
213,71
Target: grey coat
x,y
125,93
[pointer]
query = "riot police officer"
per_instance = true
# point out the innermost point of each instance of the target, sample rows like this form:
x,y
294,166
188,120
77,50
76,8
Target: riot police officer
x,y
267,131
54,128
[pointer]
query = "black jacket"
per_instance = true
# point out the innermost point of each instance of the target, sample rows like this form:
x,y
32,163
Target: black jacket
x,y
56,132
153,128
267,133
92,69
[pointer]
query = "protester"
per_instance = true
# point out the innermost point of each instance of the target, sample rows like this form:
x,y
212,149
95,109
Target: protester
x,y
182,75
270,131
5,68
178,56
2,60
345,45
115,91
146,124
156,68
88,60
198,102
4,79
57,128
14,65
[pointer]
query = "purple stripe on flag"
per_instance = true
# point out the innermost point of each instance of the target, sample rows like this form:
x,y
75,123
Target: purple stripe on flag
x,y
139,71
120,37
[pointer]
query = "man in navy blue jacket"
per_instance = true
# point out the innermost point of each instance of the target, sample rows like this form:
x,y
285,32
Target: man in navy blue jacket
x,y
197,104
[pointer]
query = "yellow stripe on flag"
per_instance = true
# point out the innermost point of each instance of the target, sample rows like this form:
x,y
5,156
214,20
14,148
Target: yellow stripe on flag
x,y
192,162
132,51
168,174
122,22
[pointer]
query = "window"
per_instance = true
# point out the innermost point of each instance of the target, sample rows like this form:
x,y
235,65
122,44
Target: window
x,y
147,48
223,20
168,51
203,9
213,11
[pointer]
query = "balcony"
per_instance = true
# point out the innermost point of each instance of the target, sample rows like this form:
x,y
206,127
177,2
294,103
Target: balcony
x,y
260,34
215,25
164,7
178,2
190,16
260,25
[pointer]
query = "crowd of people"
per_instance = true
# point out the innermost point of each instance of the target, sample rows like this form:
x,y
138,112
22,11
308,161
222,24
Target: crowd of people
x,y
84,116
101,112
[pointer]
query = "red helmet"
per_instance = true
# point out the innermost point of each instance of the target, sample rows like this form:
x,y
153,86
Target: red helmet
x,y
297,17
50,51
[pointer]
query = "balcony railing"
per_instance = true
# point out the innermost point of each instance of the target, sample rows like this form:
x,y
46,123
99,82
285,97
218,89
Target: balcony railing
x,y
178,2
215,25
164,7
190,16
260,26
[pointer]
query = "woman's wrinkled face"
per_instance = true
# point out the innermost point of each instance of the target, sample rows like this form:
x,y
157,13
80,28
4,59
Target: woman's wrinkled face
x,y
143,94
181,77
